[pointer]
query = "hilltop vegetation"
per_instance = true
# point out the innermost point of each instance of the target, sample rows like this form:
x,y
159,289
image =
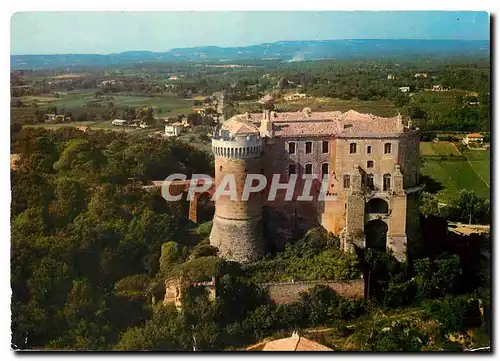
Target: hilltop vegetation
x,y
91,249
90,246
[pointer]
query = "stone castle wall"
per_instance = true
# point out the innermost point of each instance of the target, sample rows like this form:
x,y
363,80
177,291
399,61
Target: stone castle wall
x,y
288,292
238,240
237,227
347,215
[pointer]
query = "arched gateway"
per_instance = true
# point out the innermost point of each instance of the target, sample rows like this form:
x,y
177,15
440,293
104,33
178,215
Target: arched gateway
x,y
376,234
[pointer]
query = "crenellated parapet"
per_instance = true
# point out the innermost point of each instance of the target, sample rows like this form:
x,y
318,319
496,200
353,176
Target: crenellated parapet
x,y
244,146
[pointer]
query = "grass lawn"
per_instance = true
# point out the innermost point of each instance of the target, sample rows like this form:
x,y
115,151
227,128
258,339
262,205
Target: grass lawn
x,y
439,148
101,125
165,104
452,176
448,177
61,125
480,161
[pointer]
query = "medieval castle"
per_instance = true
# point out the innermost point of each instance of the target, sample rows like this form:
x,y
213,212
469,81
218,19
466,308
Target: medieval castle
x,y
373,168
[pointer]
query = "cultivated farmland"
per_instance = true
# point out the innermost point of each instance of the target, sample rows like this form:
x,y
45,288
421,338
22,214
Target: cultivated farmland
x,y
447,171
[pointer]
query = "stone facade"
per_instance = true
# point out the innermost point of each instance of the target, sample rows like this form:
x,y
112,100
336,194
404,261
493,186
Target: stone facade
x,y
237,227
287,292
373,169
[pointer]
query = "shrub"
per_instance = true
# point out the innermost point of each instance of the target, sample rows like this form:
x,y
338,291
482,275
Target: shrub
x,y
133,286
454,313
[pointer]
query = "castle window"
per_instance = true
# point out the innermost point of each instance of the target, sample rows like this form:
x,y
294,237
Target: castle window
x,y
325,169
369,181
308,168
369,149
220,169
387,148
325,145
292,169
369,164
387,182
347,181
309,147
291,147
352,148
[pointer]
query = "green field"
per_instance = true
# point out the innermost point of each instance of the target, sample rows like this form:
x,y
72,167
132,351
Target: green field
x,y
438,148
164,104
480,161
447,177
102,125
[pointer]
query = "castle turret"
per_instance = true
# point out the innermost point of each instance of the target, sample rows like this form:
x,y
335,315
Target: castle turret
x,y
266,125
237,228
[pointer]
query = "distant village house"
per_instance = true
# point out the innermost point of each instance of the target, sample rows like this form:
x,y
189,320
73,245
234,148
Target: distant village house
x,y
296,96
174,129
56,118
473,138
120,122
404,89
439,88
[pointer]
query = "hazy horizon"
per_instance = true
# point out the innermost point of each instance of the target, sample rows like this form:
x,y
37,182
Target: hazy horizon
x,y
46,33
210,45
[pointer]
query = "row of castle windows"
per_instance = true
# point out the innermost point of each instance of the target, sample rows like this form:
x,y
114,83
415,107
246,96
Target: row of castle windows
x,y
368,181
353,148
325,147
235,152
325,169
309,169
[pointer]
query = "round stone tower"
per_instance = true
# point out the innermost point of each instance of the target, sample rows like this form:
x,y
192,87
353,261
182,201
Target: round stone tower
x,y
237,228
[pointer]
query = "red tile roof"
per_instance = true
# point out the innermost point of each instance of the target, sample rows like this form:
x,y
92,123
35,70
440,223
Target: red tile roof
x,y
307,123
294,343
474,135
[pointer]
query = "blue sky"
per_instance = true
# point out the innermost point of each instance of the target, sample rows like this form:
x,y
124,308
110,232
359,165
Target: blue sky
x,y
111,32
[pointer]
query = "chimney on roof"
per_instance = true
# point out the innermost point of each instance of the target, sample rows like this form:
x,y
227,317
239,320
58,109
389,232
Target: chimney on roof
x,y
266,124
399,120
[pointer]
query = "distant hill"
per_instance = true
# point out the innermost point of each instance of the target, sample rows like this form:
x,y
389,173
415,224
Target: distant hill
x,y
282,50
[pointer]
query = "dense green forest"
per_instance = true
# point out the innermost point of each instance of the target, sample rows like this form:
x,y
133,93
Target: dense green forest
x,y
90,252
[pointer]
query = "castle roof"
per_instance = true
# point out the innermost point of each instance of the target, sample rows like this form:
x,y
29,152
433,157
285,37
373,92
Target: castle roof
x,y
240,125
308,123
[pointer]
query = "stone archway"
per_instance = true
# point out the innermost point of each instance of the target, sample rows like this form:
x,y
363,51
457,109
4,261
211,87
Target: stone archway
x,y
376,234
377,205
